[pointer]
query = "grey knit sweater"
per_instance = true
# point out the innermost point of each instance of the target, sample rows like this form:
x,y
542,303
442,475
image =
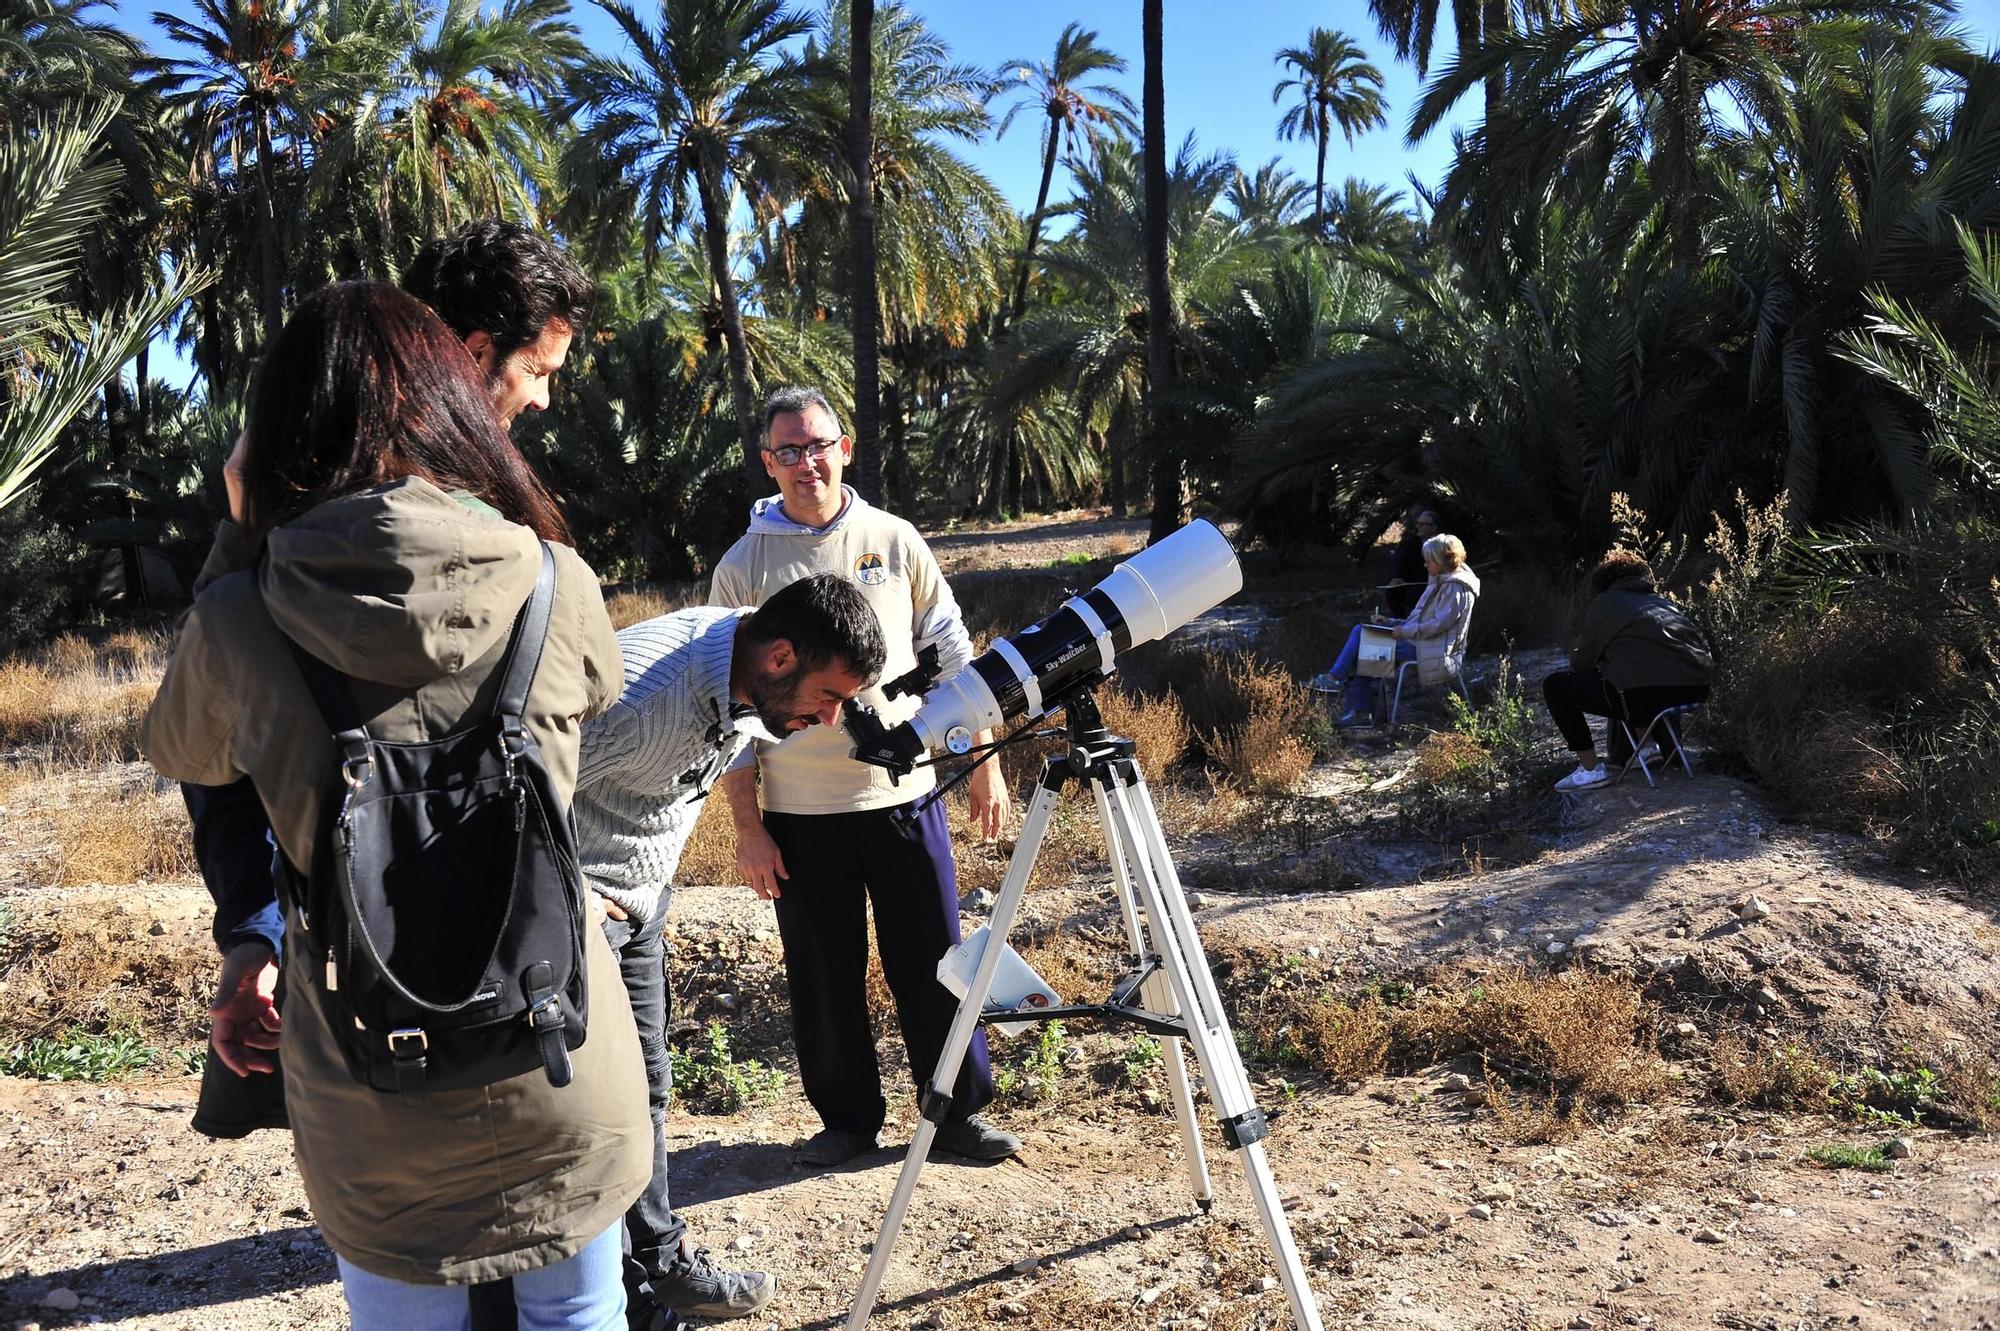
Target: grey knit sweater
x,y
649,762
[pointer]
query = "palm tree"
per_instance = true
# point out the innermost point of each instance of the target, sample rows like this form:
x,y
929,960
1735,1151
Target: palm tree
x,y
56,188
1171,497
861,233
1371,217
1075,113
1269,200
1412,26
246,91
701,107
1336,86
53,53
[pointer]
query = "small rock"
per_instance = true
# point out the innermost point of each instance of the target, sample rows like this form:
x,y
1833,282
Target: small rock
x,y
1495,1192
1265,1285
159,929
1764,996
1493,934
1198,901
726,1001
1331,1188
1753,907
1150,1295
1481,1212
1581,1322
1877,1192
63,1299
1708,1235
1685,1028
1457,1082
1557,947
745,1242
26,1324
1013,1308
1026,1266
1902,1148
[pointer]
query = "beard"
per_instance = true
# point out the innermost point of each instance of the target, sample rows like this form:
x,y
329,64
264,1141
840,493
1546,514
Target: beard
x,y
776,698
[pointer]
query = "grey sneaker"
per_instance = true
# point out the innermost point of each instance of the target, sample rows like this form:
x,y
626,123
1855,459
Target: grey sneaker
x,y
696,1287
976,1139
836,1146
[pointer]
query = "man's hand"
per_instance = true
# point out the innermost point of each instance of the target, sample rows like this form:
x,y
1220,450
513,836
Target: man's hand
x,y
757,857
759,860
987,788
244,1015
232,477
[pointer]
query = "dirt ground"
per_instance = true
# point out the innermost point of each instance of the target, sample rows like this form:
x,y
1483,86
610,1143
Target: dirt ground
x,y
1411,1208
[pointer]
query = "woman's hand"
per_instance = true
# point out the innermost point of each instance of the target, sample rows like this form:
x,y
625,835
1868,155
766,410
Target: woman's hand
x,y
244,1016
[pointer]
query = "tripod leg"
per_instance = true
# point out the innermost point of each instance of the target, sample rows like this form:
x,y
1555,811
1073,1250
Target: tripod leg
x,y
937,1096
1158,997
1137,824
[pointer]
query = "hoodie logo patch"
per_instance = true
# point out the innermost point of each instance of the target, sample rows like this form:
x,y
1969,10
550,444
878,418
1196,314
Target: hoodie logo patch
x,y
869,571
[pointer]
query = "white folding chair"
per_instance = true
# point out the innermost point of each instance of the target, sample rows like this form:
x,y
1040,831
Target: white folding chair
x,y
1663,724
1404,668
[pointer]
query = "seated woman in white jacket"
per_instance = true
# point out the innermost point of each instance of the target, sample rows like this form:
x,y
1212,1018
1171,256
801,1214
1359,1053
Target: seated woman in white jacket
x,y
1433,636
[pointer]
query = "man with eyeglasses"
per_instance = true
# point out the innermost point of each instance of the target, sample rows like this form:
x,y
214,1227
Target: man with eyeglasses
x,y
818,840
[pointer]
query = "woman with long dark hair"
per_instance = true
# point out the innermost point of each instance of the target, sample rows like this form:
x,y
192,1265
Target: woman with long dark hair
x,y
384,524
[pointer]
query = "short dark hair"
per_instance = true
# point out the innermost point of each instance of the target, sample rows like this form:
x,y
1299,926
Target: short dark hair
x,y
826,619
365,385
1616,566
503,279
796,398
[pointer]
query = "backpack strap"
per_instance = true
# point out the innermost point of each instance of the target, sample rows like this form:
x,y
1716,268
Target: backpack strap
x,y
524,654
337,710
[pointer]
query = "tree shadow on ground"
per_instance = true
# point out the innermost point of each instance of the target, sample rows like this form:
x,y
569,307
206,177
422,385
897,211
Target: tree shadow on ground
x,y
228,1271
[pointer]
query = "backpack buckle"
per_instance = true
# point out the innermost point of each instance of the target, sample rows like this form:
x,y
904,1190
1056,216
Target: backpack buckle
x,y
408,1045
358,772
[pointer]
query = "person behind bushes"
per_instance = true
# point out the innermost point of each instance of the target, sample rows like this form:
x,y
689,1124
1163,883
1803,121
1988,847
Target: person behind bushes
x,y
1408,575
385,524
1636,655
1432,635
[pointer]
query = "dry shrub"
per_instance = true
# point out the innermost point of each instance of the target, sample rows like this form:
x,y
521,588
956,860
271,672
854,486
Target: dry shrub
x,y
1587,1035
129,836
709,856
1157,726
1309,637
12,778
1525,1118
1769,1077
137,653
103,971
1072,966
1449,759
1345,1043
1251,716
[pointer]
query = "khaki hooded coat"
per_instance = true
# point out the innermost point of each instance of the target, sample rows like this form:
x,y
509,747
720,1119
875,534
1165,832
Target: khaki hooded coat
x,y
411,592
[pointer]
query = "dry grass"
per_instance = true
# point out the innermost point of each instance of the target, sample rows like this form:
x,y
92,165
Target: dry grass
x,y
102,971
80,706
1346,1042
1448,759
639,604
127,836
710,853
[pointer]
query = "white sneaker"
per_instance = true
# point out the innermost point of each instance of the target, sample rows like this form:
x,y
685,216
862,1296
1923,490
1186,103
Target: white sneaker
x,y
1586,778
1648,755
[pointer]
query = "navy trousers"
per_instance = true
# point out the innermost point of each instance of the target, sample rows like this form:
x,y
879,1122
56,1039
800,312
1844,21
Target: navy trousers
x,y
839,864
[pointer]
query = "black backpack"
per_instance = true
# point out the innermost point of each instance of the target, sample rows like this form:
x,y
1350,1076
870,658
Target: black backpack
x,y
444,917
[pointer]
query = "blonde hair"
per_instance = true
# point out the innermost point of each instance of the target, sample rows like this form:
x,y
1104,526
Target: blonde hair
x,y
1447,552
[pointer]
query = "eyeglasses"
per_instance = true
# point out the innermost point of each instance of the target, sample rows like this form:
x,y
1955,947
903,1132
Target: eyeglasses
x,y
788,455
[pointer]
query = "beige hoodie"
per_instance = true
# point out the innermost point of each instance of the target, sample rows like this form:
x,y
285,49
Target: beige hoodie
x,y
412,594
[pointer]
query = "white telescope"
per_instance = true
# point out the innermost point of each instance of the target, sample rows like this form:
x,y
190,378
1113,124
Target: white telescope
x,y
1024,676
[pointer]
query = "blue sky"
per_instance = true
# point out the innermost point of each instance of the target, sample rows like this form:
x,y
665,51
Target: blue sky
x,y
1219,73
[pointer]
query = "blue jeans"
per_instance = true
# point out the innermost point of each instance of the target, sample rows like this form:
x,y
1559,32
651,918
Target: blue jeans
x,y
653,1232
1359,695
580,1293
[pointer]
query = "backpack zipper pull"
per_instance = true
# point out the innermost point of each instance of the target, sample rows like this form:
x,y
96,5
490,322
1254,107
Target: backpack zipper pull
x,y
332,973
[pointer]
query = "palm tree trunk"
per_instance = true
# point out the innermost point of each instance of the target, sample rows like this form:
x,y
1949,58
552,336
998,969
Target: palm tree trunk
x,y
1319,183
1170,489
715,226
897,479
1035,219
273,306
861,227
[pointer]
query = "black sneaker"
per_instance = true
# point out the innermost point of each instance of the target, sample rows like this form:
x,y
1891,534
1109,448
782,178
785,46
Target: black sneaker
x,y
836,1146
976,1139
696,1287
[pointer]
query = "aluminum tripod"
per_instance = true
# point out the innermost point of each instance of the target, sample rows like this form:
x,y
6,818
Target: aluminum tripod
x,y
1168,991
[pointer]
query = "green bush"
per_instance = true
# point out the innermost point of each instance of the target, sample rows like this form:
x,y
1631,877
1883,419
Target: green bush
x,y
78,1055
43,577
710,1079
